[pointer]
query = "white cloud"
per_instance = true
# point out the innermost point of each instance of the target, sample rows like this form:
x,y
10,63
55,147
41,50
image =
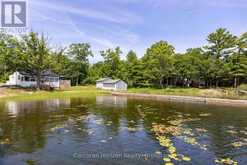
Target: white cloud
x,y
57,20
185,3
120,17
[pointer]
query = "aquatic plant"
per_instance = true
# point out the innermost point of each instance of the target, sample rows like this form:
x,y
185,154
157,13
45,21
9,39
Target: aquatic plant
x,y
239,144
226,161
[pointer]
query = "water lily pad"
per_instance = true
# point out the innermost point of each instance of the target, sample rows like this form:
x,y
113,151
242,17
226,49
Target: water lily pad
x,y
204,114
166,159
227,161
239,144
90,132
186,158
169,163
158,153
30,162
131,129
5,141
232,132
201,130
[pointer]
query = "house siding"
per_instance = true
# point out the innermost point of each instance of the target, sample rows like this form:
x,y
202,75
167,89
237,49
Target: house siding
x,y
121,85
99,85
17,79
110,84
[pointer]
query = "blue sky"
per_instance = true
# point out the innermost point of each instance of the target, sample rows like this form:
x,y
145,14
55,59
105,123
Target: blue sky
x,y
135,24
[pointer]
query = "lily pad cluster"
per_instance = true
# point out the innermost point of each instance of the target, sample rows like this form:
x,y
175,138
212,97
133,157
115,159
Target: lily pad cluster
x,y
226,161
176,128
241,141
239,144
162,133
5,141
173,155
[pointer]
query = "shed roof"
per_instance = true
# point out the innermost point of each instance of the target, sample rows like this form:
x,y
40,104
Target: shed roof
x,y
111,81
103,79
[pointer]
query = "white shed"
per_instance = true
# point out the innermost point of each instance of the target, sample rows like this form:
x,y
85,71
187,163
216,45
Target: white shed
x,y
99,83
110,84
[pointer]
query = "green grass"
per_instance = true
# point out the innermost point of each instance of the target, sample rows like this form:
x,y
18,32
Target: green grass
x,y
243,87
167,91
215,93
91,91
80,91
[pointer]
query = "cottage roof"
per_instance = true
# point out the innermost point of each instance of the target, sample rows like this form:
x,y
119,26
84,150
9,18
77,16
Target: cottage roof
x,y
47,73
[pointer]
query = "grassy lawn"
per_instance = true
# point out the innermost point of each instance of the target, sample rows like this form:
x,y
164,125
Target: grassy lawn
x,y
91,91
20,94
216,93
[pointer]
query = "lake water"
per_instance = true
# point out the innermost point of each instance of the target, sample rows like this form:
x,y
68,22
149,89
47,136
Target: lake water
x,y
109,130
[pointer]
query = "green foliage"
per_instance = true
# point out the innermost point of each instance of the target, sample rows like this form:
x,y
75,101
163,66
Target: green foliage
x,y
79,53
221,43
34,55
112,62
95,72
158,62
243,87
222,62
9,53
132,70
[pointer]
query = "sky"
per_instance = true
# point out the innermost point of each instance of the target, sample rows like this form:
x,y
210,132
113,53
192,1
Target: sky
x,y
134,24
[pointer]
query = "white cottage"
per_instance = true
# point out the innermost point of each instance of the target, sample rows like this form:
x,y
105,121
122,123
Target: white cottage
x,y
109,84
25,79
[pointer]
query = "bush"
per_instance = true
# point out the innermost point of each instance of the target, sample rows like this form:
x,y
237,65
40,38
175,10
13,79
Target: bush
x,y
243,87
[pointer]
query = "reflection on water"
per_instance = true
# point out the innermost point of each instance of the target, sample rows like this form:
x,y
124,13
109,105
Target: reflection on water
x,y
111,101
14,108
116,130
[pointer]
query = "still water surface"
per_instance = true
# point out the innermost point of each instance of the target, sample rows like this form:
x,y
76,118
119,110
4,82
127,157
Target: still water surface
x,y
109,130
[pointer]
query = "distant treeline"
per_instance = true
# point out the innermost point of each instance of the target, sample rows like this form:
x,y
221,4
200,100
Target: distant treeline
x,y
220,63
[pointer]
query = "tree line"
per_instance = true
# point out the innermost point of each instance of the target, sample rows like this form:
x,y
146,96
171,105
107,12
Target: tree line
x,y
220,63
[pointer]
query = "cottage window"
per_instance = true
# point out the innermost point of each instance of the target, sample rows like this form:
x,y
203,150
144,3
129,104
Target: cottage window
x,y
19,77
27,78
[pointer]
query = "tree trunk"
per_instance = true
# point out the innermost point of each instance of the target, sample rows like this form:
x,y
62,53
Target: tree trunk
x,y
235,82
38,81
77,81
236,85
161,83
199,81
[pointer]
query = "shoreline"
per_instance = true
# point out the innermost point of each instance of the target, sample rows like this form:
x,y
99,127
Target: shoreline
x,y
90,90
185,99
